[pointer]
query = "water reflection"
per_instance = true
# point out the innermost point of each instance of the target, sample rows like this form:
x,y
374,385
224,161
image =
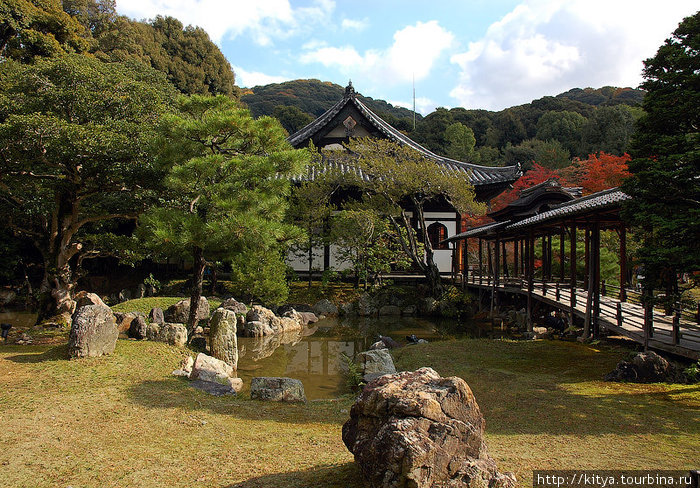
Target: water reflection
x,y
316,356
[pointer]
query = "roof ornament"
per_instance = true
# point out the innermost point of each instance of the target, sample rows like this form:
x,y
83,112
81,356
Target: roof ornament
x,y
349,90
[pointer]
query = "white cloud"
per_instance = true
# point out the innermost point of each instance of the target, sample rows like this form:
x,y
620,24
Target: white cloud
x,y
249,79
264,20
549,46
423,105
415,50
358,25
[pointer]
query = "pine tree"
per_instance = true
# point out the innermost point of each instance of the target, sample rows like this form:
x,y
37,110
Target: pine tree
x,y
666,167
228,177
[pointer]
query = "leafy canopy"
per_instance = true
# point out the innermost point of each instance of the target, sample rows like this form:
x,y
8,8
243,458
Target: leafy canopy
x,y
228,181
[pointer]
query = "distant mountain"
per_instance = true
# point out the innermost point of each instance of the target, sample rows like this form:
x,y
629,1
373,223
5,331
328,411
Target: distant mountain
x,y
315,97
608,95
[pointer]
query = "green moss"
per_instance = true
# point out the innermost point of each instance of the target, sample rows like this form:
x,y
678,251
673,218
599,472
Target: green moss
x,y
144,305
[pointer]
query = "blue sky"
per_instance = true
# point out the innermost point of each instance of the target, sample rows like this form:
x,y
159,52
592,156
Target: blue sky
x,y
489,54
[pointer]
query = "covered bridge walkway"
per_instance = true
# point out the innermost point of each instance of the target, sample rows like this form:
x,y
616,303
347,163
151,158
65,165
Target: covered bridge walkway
x,y
507,263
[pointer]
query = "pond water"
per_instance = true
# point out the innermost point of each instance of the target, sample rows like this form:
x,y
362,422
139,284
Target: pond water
x,y
316,355
18,319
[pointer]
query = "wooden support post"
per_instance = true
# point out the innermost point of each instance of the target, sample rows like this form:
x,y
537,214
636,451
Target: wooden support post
x,y
619,315
516,245
623,264
556,291
489,262
676,332
562,254
543,243
465,259
587,261
531,278
603,288
573,267
481,261
550,258
505,260
596,279
497,263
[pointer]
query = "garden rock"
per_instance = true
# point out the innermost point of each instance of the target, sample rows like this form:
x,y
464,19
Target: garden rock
x,y
421,430
347,309
375,363
199,344
24,339
257,329
173,334
83,298
208,368
645,367
93,332
365,306
308,318
124,295
180,312
325,307
185,367
6,297
235,306
388,342
390,310
138,327
124,320
140,291
428,305
277,389
156,315
223,343
409,310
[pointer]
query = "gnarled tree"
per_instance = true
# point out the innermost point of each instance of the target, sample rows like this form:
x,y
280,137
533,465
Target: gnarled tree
x,y
399,180
74,152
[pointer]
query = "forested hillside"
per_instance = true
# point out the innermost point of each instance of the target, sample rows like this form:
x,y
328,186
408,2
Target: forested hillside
x,y
189,59
550,130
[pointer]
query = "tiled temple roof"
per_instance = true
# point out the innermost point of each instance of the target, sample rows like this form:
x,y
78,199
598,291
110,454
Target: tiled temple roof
x,y
479,175
595,202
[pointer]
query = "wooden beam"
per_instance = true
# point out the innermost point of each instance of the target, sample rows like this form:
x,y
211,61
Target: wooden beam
x,y
623,264
562,253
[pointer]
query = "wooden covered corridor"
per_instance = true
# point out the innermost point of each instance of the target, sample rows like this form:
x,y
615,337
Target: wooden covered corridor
x,y
545,213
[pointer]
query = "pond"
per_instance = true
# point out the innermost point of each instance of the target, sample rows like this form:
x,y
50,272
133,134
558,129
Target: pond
x,y
316,355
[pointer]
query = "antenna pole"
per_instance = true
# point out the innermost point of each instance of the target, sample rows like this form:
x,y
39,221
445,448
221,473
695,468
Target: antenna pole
x,y
414,101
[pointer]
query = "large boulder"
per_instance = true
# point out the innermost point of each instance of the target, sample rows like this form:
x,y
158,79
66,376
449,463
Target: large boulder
x,y
644,367
124,320
180,312
277,389
138,328
375,362
366,306
234,305
324,307
307,318
93,332
256,328
390,310
421,430
83,298
173,334
156,315
223,343
210,369
261,314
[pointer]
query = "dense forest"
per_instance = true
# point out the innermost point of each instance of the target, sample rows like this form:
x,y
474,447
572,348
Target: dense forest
x,y
550,130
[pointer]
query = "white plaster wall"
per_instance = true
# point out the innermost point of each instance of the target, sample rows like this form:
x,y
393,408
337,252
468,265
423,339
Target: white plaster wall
x,y
301,263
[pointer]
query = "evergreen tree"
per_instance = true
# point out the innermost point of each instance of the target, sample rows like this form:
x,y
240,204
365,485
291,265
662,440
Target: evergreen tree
x,y
664,186
75,143
228,177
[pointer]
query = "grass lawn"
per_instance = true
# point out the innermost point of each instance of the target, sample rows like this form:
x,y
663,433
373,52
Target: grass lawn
x,y
123,421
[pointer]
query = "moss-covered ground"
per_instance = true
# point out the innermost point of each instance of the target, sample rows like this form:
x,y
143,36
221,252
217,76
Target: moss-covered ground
x,y
124,421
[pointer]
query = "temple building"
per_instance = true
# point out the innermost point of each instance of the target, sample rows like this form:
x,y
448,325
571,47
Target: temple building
x,y
348,118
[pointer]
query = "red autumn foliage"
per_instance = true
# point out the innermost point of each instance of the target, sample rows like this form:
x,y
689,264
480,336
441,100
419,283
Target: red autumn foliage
x,y
602,171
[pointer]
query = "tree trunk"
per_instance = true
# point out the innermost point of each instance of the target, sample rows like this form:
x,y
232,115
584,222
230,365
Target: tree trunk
x,y
197,279
311,258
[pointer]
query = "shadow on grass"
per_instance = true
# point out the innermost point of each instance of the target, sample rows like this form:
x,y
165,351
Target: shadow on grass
x,y
341,475
176,393
55,353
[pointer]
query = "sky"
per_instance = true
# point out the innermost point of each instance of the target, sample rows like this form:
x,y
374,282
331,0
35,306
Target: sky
x,y
488,54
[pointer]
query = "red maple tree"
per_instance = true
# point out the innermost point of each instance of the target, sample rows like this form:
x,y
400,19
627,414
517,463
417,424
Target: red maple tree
x,y
602,171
